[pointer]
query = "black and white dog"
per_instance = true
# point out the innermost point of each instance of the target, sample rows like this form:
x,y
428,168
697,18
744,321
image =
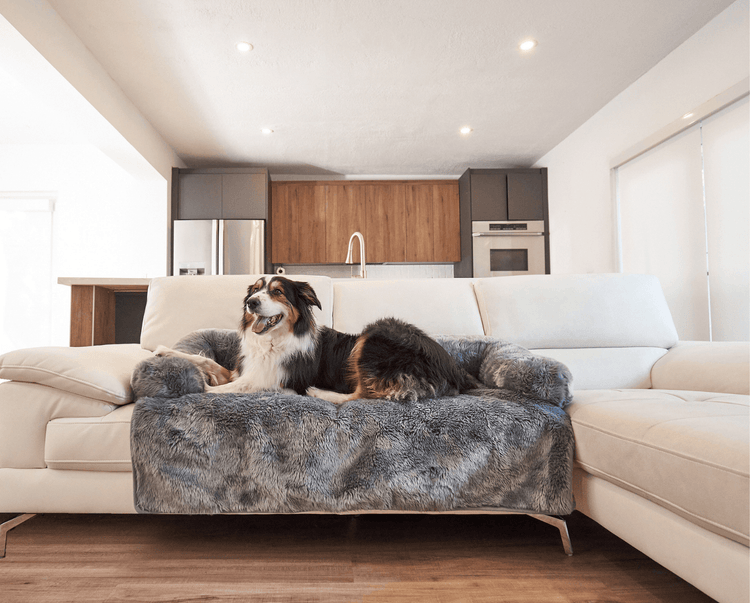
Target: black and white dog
x,y
282,348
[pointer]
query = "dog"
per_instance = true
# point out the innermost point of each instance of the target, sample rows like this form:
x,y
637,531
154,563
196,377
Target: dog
x,y
282,348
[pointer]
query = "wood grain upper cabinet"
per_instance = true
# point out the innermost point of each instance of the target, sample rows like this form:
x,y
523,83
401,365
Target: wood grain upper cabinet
x,y
385,222
432,218
400,221
298,219
345,214
231,194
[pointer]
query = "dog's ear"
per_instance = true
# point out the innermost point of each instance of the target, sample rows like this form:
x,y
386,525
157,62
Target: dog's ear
x,y
259,284
307,293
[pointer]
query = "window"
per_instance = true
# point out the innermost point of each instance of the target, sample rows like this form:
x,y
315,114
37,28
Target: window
x,y
684,215
25,269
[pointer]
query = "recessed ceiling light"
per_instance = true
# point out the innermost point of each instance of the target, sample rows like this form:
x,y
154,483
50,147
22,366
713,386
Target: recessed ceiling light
x,y
527,44
266,130
466,130
244,46
687,116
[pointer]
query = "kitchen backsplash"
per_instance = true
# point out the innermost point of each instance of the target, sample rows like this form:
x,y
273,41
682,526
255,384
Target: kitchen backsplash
x,y
374,271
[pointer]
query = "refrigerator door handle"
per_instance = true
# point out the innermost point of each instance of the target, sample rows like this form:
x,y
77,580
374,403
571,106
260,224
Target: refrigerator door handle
x,y
220,247
215,247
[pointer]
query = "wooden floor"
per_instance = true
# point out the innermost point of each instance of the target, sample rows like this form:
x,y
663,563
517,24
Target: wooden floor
x,y
327,559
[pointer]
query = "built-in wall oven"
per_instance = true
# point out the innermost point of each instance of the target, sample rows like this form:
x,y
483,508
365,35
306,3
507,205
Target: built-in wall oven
x,y
508,248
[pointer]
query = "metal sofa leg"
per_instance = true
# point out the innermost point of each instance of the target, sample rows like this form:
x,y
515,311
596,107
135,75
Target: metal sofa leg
x,y
561,525
8,526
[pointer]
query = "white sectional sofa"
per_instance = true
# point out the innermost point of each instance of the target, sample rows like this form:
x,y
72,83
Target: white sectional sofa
x,y
661,426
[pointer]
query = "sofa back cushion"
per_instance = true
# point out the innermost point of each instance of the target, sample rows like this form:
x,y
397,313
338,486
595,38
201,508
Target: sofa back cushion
x,y
608,329
577,311
178,305
438,306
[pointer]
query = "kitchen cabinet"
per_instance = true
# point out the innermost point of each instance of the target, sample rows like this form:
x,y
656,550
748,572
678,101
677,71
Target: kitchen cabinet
x,y
401,221
298,216
222,193
433,211
385,222
345,214
499,195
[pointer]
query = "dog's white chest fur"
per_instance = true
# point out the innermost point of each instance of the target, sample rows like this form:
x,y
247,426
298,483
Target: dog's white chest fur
x,y
263,360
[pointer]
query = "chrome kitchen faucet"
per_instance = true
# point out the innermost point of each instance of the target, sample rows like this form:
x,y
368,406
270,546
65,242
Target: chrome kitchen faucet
x,y
363,272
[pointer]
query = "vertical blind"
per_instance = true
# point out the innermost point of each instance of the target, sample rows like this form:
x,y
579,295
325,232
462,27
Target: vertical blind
x,y
684,216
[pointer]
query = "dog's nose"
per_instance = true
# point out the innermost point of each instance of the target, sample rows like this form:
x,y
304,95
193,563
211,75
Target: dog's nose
x,y
252,304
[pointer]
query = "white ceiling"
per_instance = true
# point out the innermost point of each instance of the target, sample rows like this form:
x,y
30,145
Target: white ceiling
x,y
377,87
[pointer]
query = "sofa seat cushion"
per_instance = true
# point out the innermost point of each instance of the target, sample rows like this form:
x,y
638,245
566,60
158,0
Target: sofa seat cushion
x,y
437,306
687,451
90,443
605,368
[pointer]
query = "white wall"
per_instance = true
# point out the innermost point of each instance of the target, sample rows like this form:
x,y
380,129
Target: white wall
x,y
582,226
51,37
106,223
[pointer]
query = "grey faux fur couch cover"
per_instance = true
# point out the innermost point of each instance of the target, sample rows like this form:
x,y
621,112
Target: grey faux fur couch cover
x,y
509,445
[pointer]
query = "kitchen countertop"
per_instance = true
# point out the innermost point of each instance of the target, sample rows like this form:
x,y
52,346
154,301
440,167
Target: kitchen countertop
x,y
113,283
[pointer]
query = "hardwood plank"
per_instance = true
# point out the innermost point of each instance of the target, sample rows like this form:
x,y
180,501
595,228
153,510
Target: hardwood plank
x,y
370,558
81,315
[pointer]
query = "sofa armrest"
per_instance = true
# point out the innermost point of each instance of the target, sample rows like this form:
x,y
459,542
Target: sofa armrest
x,y
719,366
25,412
99,372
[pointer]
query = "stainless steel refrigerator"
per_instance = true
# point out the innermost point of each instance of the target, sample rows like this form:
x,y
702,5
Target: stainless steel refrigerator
x,y
218,247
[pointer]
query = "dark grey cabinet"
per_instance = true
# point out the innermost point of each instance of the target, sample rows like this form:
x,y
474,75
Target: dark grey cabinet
x,y
489,195
228,194
526,196
506,194
199,197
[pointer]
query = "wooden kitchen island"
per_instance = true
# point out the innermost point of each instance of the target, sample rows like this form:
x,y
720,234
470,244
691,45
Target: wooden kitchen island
x,y
105,310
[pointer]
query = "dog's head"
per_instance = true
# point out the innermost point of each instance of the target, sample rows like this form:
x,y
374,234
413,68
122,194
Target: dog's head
x,y
279,303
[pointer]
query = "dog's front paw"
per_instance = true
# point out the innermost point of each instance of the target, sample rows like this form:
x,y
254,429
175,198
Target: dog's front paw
x,y
328,396
162,350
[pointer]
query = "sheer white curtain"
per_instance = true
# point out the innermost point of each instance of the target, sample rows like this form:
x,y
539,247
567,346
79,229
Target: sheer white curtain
x,y
684,215
25,270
